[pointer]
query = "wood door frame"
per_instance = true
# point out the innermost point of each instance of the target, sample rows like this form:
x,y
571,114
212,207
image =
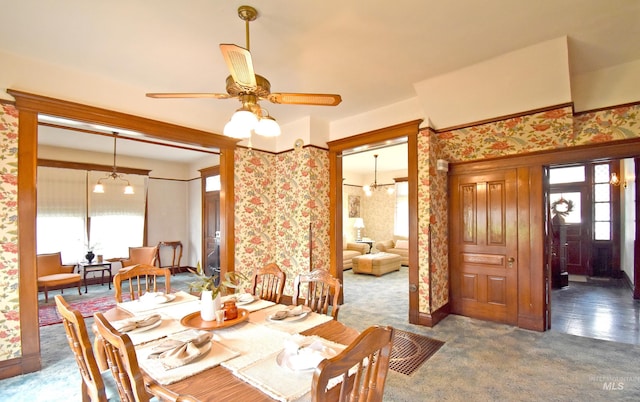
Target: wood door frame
x,y
532,304
29,106
410,130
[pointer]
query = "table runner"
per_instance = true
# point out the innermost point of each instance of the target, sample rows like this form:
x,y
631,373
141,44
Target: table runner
x,y
136,307
253,341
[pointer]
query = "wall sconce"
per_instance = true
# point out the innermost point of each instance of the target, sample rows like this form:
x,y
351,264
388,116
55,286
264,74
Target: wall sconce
x,y
615,180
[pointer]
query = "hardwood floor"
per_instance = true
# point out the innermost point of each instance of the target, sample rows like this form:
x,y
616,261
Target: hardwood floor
x,y
601,309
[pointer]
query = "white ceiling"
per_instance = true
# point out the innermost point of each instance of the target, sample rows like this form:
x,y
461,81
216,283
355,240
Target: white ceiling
x,y
372,53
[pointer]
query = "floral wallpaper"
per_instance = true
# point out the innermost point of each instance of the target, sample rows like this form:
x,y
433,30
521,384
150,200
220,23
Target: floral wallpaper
x,y
378,214
281,202
607,125
536,132
254,195
424,219
10,342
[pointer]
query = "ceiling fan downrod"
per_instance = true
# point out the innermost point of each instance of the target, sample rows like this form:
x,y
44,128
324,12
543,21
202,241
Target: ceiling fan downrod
x,y
247,14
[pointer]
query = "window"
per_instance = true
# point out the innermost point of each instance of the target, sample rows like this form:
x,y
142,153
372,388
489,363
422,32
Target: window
x,y
71,218
601,202
401,224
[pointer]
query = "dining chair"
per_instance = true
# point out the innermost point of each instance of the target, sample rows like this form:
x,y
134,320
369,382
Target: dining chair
x,y
51,273
96,385
359,371
142,278
268,282
321,289
121,358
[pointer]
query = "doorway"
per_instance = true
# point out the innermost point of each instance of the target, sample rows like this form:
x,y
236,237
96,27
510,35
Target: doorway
x,y
211,220
407,130
29,106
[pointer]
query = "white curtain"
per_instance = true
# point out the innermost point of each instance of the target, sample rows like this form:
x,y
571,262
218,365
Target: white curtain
x,y
61,212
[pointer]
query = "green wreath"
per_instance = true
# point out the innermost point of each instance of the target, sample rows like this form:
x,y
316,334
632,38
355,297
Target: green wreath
x,y
566,206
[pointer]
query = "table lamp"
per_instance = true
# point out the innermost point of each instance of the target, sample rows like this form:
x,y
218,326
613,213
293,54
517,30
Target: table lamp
x,y
359,225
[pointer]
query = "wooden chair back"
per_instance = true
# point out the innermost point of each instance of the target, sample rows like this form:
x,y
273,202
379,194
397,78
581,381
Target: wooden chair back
x,y
141,278
268,282
322,291
92,384
123,363
141,255
361,368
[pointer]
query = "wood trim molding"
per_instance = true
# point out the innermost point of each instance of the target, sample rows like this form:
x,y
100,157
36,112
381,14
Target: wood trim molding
x,y
153,128
90,166
430,320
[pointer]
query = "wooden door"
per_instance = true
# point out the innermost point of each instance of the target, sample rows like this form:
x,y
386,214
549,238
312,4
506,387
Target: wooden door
x,y
483,224
576,226
212,231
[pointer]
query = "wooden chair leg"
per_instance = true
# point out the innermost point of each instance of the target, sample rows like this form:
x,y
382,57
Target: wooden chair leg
x,y
80,286
46,295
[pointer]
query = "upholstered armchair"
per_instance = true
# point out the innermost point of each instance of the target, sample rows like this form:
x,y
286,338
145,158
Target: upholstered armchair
x,y
52,274
141,255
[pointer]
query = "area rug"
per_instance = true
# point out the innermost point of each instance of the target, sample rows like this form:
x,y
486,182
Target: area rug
x,y
48,314
411,350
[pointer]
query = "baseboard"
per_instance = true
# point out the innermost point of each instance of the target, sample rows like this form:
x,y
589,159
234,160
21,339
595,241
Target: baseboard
x,y
22,365
430,320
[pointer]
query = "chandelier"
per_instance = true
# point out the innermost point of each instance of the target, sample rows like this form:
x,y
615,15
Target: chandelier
x,y
99,187
369,189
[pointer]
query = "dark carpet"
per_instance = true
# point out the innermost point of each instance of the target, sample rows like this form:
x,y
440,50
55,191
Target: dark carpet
x,y
411,350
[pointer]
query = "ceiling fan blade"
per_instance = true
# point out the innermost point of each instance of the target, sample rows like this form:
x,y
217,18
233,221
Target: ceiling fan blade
x,y
305,99
240,65
161,95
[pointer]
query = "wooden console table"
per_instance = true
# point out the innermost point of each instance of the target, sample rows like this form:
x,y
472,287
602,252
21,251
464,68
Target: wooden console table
x,y
177,254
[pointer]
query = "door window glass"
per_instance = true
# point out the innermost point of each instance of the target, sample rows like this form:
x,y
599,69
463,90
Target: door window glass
x,y
567,206
571,174
602,202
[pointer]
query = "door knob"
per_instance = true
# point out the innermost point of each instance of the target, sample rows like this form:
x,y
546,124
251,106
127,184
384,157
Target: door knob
x,y
413,287
511,260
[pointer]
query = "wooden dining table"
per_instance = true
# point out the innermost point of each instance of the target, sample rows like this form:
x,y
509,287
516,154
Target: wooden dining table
x,y
220,384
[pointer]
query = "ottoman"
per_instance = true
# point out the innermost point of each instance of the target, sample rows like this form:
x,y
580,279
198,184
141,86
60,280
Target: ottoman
x,y
376,264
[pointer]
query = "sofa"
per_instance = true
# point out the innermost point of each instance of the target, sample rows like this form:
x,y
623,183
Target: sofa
x,y
399,247
351,250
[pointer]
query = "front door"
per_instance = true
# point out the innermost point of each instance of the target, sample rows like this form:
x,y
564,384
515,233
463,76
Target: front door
x,y
483,224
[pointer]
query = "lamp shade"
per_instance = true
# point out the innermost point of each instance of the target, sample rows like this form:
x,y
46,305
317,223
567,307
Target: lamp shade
x,y
268,127
359,223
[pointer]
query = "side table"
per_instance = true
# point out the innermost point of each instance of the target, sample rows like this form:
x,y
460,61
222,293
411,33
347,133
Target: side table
x,y
177,254
102,267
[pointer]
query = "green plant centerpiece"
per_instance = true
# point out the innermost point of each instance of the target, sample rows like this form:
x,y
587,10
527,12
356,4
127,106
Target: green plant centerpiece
x,y
203,282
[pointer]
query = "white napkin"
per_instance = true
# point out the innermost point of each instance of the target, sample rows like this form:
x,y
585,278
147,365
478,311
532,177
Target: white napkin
x,y
154,297
300,355
136,322
175,353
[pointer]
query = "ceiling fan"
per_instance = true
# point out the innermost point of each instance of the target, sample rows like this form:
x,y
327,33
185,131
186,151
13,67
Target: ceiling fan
x,y
250,88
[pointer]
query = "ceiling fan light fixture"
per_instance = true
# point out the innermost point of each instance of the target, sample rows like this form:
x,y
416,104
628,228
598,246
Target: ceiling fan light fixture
x,y
235,129
268,126
245,118
98,188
